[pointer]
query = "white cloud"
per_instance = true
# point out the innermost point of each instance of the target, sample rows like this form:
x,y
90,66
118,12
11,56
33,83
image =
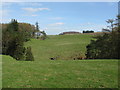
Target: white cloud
x,y
76,30
29,4
33,15
59,23
56,24
22,4
32,10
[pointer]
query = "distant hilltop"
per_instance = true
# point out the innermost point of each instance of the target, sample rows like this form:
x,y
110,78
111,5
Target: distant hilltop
x,y
89,33
69,33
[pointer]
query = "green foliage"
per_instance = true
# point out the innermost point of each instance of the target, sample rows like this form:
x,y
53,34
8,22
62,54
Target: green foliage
x,y
77,56
13,26
29,55
39,34
37,26
105,46
8,39
27,31
97,48
19,51
14,36
88,31
37,31
44,36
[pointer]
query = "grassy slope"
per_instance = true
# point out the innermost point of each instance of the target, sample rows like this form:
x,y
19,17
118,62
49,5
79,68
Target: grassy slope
x,y
62,46
44,73
0,71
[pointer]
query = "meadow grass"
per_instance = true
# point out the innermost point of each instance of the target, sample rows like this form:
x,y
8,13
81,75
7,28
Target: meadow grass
x,y
61,73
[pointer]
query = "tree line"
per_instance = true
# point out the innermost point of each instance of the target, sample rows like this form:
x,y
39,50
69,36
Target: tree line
x,y
88,31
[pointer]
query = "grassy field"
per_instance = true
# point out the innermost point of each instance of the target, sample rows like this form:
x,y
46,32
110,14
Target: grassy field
x,y
0,71
61,73
63,46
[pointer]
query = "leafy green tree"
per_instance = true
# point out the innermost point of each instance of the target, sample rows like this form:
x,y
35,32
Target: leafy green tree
x,y
27,31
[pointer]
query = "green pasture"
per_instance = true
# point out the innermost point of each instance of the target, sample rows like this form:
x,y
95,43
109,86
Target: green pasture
x,y
63,72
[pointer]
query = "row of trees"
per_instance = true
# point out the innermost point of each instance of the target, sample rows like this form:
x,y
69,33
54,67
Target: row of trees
x,y
88,31
106,46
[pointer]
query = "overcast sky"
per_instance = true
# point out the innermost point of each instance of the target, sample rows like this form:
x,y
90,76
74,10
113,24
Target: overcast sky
x,y
57,17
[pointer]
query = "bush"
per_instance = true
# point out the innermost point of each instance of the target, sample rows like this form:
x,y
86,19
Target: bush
x,y
44,36
104,47
29,55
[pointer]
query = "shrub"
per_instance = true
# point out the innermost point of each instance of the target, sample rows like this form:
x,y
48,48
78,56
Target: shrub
x,y
44,36
29,55
77,56
104,47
